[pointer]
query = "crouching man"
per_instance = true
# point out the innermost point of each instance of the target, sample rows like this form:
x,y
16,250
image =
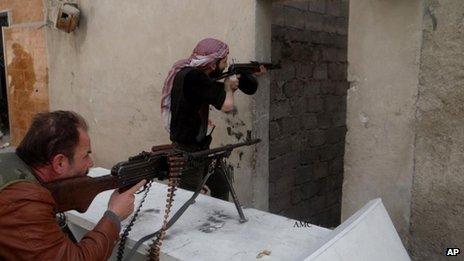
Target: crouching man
x,y
56,146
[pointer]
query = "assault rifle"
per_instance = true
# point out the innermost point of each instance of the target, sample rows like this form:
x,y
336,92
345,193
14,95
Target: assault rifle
x,y
246,68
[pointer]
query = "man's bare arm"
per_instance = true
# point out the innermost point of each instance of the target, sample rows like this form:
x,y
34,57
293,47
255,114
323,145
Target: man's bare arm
x,y
230,86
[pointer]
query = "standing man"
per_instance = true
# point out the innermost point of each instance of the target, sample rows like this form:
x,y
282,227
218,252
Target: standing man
x,y
56,146
188,92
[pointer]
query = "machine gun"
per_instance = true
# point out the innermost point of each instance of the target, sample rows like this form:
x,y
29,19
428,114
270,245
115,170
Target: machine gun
x,y
217,166
162,162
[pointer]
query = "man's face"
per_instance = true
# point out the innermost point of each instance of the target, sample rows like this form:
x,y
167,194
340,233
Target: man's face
x,y
222,65
82,160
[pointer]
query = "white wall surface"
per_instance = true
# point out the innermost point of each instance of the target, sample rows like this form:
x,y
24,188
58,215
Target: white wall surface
x,y
111,70
384,41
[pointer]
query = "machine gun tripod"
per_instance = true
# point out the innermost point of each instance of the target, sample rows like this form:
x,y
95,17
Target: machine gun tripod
x,y
217,166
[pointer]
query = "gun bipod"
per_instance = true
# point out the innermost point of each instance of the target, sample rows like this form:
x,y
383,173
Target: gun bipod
x,y
154,251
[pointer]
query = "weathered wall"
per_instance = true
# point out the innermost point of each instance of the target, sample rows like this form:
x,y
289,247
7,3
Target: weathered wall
x,y
25,64
26,67
437,195
384,42
260,108
111,70
23,11
308,110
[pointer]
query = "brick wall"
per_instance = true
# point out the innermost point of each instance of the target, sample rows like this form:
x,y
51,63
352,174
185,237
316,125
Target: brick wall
x,y
308,110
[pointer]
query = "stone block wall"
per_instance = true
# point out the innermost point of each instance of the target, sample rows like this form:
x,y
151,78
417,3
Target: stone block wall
x,y
308,110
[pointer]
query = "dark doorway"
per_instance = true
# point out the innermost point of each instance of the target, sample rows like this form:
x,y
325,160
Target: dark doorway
x,y
4,123
308,110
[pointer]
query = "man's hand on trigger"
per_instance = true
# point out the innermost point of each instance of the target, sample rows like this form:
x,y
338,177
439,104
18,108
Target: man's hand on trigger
x,y
262,70
205,190
211,123
231,83
122,204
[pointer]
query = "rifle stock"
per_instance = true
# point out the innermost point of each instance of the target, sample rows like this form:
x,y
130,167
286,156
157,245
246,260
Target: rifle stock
x,y
78,193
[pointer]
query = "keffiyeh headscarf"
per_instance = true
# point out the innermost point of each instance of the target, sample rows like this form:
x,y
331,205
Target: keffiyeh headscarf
x,y
207,52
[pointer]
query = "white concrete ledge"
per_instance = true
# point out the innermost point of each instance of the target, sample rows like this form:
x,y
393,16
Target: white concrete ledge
x,y
367,235
208,230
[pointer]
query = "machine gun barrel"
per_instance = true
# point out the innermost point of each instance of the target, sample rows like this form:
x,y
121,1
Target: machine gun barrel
x,y
219,151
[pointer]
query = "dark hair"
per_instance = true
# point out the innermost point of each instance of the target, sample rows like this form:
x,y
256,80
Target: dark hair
x,y
51,133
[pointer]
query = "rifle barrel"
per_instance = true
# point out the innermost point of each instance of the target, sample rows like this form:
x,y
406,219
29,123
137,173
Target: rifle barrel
x,y
251,67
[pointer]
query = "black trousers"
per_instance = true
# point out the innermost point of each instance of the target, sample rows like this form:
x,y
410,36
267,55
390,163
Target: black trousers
x,y
192,176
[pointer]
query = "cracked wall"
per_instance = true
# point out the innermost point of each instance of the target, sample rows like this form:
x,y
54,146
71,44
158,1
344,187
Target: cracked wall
x,y
384,43
405,139
437,193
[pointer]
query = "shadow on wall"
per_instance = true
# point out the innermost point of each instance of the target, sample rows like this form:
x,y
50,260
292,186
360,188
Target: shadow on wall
x,y
21,88
21,71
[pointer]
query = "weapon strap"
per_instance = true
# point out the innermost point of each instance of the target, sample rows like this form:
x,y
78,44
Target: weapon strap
x,y
154,255
155,247
125,234
62,222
